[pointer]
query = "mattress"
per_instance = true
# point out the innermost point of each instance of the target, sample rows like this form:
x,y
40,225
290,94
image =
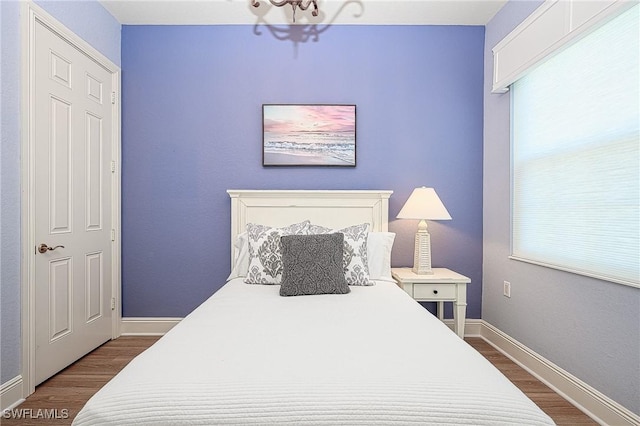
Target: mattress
x,y
250,356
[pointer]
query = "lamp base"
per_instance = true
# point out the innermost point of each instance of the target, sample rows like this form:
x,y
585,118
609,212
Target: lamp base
x,y
422,253
419,271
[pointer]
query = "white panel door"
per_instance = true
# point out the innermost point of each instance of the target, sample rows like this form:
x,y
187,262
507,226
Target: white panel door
x,y
73,189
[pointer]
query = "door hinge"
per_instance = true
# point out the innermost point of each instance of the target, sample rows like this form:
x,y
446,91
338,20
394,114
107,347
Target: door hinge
x,y
113,303
113,97
113,235
113,166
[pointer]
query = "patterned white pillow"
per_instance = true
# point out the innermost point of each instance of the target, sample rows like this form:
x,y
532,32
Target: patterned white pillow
x,y
356,267
265,256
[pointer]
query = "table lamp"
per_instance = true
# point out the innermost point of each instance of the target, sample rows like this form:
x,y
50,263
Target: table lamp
x,y
423,204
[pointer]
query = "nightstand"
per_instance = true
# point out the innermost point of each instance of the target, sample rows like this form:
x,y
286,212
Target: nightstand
x,y
443,285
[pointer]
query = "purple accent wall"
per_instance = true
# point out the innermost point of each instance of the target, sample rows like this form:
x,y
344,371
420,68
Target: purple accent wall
x,y
192,99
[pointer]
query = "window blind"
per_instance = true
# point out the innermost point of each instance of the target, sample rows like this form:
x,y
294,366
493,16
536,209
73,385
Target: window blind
x,y
576,156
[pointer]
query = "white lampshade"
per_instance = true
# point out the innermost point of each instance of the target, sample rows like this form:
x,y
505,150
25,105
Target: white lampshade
x,y
424,203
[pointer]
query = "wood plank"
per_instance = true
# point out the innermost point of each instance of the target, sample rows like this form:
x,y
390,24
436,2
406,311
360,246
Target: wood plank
x,y
559,409
71,388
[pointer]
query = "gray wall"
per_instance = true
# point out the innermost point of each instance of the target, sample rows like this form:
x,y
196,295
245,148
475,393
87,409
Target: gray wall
x,y
93,23
589,327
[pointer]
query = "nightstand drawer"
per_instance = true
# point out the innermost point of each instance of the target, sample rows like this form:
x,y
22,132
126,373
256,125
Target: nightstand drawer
x,y
434,291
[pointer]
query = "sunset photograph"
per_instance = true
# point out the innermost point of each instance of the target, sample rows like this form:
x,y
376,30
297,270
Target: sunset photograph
x,y
309,135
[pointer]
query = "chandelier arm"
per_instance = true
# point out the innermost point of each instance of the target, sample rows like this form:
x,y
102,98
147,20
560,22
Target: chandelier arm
x,y
309,3
294,5
279,3
314,12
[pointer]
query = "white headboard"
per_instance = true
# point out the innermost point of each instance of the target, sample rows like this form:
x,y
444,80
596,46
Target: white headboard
x,y
334,209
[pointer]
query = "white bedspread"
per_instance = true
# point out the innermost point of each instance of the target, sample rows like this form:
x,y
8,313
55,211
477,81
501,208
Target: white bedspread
x,y
250,356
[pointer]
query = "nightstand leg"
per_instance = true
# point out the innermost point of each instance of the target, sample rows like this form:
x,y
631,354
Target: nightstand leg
x,y
441,311
459,314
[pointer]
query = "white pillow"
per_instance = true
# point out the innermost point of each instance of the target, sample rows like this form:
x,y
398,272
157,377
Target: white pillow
x,y
379,246
241,265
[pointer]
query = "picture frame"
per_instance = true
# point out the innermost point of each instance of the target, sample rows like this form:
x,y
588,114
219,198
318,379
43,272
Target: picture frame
x,y
313,135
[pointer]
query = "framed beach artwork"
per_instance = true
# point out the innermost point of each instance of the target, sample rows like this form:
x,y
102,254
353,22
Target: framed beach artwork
x,y
309,135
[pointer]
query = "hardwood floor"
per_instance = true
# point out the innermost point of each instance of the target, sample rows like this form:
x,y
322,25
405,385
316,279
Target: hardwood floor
x,y
71,388
561,411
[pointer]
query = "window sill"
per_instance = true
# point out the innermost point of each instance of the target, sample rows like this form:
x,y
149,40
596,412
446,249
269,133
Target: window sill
x,y
628,283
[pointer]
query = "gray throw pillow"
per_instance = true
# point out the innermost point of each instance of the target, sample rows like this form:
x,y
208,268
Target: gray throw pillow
x,y
355,263
312,264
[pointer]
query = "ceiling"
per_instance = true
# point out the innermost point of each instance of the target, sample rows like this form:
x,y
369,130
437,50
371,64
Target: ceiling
x,y
357,12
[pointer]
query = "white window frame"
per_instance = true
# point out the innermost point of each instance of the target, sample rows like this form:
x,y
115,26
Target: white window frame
x,y
522,70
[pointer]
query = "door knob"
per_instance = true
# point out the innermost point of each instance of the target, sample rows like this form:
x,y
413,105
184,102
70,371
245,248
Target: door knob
x,y
43,248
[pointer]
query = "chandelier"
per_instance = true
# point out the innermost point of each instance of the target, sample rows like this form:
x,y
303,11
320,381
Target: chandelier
x,y
302,4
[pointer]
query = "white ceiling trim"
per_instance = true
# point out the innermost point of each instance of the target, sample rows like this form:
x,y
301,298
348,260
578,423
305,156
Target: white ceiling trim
x,y
345,12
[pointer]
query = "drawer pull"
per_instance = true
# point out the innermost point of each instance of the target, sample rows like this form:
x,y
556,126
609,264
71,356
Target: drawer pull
x,y
435,291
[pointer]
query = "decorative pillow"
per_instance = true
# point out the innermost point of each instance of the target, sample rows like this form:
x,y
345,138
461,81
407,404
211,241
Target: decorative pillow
x,y
379,246
312,264
265,258
355,265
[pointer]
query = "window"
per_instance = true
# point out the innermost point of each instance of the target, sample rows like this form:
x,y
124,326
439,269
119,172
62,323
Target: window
x,y
576,156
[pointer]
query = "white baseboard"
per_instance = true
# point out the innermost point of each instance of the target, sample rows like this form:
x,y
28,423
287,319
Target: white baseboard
x,y
147,326
11,394
593,403
472,327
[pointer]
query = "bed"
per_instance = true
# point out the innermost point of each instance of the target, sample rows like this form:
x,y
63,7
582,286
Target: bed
x,y
248,355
